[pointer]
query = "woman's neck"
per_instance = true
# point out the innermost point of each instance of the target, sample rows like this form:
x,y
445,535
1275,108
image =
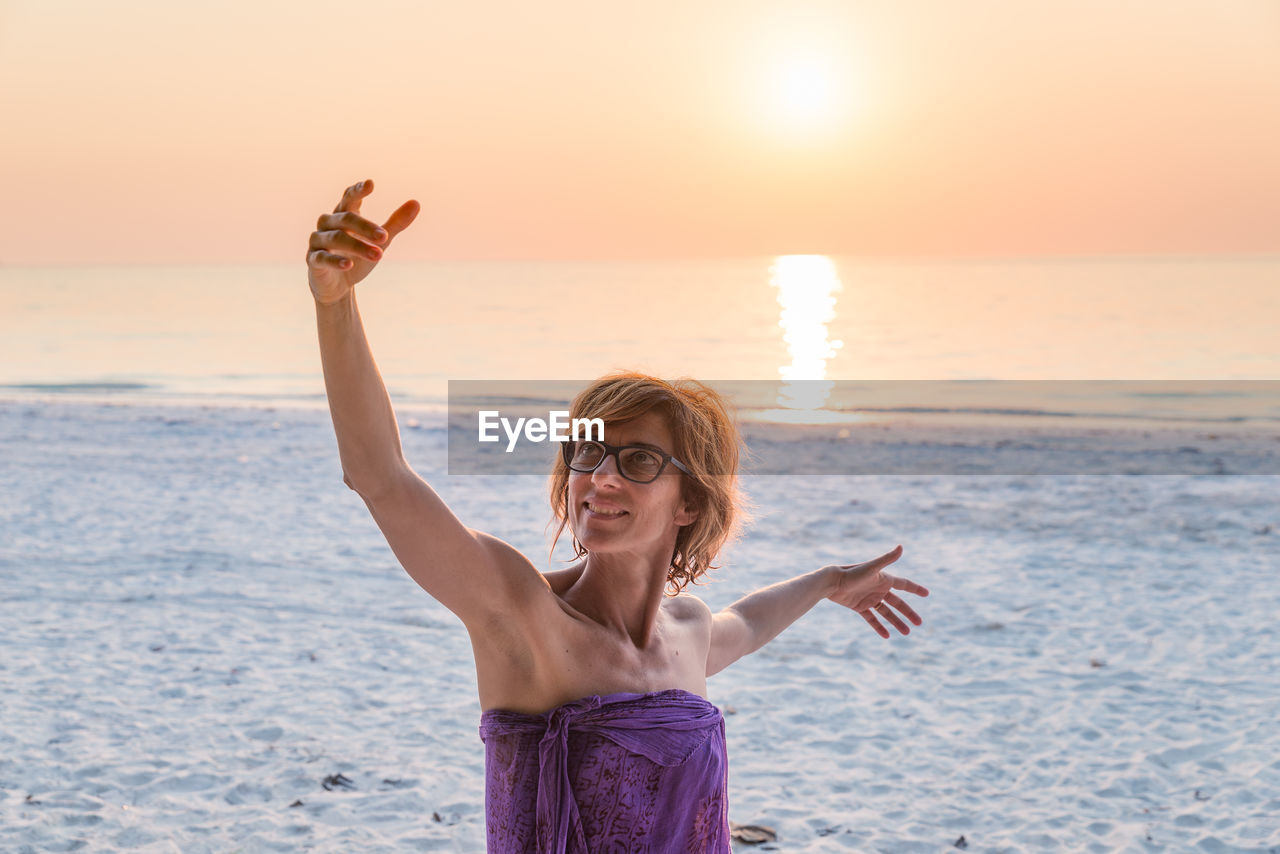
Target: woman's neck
x,y
622,593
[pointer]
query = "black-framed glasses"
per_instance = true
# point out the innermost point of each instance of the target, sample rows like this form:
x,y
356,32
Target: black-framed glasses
x,y
636,463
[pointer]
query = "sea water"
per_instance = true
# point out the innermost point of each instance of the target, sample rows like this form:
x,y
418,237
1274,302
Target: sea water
x,y
248,333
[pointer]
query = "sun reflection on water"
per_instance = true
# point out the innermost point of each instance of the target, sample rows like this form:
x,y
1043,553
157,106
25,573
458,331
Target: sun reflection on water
x,y
806,287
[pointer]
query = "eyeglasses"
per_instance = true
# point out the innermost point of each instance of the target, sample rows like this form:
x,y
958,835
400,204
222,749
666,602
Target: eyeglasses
x,y
635,462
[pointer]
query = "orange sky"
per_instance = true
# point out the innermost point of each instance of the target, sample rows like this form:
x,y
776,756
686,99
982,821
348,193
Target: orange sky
x,y
149,132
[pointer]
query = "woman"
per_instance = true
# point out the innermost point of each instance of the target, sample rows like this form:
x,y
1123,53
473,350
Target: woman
x,y
592,679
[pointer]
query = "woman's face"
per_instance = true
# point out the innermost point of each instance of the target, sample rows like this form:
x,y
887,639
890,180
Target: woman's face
x,y
608,513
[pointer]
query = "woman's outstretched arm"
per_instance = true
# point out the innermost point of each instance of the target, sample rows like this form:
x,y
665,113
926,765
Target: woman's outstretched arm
x,y
759,617
476,576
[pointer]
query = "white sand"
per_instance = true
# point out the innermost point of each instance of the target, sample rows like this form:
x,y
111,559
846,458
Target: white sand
x,y
201,624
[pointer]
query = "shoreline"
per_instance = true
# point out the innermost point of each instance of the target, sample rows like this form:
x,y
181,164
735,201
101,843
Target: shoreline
x,y
889,444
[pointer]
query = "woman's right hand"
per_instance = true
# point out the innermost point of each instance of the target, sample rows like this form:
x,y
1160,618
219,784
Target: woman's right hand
x,y
345,247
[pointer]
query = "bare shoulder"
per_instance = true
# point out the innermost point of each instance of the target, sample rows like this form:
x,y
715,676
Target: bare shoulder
x,y
513,565
561,580
687,607
691,621
499,549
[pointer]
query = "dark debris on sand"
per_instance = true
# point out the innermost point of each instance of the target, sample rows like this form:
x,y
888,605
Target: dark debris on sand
x,y
337,781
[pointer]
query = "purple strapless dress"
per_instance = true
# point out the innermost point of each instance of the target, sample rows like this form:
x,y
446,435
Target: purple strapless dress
x,y
618,773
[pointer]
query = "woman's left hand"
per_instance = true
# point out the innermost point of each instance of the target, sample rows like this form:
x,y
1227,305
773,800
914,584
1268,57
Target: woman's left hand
x,y
868,589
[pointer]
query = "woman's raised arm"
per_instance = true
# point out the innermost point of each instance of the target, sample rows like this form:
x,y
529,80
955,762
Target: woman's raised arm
x,y
342,251
472,574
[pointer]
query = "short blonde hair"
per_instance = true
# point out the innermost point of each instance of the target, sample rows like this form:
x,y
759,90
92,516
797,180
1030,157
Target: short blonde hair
x,y
706,440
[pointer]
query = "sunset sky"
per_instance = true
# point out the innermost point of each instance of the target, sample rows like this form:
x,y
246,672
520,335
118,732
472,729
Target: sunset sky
x,y
159,132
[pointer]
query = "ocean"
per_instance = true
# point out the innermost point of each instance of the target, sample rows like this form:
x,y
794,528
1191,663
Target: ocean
x,y
247,334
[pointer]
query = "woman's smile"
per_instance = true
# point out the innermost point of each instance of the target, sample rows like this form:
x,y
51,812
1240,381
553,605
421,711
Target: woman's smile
x,y
603,511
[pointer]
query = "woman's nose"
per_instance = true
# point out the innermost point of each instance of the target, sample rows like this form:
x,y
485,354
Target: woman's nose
x,y
608,468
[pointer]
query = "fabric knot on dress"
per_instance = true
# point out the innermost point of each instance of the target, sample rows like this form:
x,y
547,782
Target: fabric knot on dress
x,y
557,819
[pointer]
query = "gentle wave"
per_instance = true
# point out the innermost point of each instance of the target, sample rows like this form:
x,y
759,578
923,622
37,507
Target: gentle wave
x,y
102,386
1050,413
1246,409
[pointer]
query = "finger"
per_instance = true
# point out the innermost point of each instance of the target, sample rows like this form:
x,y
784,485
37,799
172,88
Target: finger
x,y
875,624
910,586
401,219
353,195
891,555
319,257
906,609
868,602
341,243
875,563
352,223
892,618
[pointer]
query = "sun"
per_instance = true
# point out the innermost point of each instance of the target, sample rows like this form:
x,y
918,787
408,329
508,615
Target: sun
x,y
806,96
804,91
803,81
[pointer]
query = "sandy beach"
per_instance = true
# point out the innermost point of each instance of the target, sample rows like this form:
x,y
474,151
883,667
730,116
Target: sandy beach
x,y
206,645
